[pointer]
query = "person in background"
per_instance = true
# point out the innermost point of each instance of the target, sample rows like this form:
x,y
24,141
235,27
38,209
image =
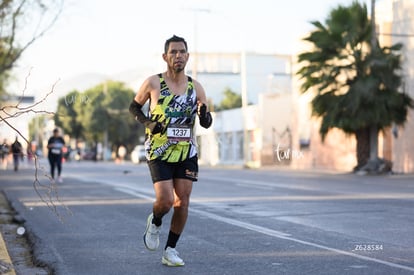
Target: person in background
x,y
31,152
55,145
17,151
4,154
122,153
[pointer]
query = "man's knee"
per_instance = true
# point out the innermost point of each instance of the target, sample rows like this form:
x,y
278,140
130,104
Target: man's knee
x,y
181,203
164,205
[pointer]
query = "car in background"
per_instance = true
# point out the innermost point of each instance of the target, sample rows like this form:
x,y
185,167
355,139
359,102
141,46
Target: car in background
x,y
138,154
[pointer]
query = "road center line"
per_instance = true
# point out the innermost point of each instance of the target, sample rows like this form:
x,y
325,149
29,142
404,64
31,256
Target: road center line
x,y
285,236
256,228
268,231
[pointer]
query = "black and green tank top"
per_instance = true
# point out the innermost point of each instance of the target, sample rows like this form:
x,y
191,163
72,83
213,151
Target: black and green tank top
x,y
177,113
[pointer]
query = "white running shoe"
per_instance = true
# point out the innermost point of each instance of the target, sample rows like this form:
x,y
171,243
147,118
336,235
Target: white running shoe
x,y
60,180
170,257
152,235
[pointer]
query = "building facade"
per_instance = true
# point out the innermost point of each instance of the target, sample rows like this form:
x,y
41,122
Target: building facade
x,y
278,128
257,128
264,73
261,130
395,24
402,31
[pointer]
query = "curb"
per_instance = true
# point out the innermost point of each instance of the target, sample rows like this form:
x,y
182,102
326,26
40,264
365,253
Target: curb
x,y
15,253
6,265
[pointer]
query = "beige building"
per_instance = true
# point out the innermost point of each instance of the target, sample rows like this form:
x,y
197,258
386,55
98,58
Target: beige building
x,y
267,80
395,24
267,126
280,130
402,31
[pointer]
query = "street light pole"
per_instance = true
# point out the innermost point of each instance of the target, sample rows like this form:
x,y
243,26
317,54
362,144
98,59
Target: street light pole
x,y
195,36
243,76
373,132
373,31
105,137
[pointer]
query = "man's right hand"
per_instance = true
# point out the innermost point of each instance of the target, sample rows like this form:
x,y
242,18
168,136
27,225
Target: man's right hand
x,y
154,126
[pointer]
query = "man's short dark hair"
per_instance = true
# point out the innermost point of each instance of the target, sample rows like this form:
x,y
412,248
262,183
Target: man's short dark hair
x,y
174,38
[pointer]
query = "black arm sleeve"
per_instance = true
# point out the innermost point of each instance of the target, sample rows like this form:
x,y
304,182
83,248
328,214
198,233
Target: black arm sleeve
x,y
135,110
205,117
154,126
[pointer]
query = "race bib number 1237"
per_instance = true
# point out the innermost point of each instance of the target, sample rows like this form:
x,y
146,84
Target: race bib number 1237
x,y
179,132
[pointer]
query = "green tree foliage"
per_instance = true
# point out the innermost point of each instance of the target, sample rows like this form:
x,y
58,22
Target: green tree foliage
x,y
66,115
356,85
18,18
99,110
92,115
35,129
231,100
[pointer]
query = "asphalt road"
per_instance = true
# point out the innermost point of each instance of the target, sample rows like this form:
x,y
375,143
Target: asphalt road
x,y
266,221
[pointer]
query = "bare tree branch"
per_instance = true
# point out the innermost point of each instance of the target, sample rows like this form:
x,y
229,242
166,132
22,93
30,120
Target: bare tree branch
x,y
14,52
47,192
28,109
12,14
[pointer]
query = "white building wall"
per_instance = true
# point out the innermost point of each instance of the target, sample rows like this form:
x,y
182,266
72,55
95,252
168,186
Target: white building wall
x,y
265,73
222,143
275,122
268,124
403,24
268,88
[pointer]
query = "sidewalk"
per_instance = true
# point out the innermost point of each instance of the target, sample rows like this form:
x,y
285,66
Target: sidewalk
x,y
15,252
6,265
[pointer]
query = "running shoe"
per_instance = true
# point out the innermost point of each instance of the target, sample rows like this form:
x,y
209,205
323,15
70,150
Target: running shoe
x,y
170,257
152,235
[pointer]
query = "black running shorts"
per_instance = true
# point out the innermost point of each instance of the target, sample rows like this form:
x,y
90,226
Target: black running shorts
x,y
161,170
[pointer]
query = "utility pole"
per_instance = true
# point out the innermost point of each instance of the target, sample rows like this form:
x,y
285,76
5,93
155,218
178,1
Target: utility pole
x,y
105,137
246,138
373,133
194,68
374,31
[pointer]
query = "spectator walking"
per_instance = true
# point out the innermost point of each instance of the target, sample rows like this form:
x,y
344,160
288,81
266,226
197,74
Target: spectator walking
x,y
17,151
55,145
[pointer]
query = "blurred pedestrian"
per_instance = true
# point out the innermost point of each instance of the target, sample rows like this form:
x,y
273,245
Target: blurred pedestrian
x,y
17,151
4,154
122,153
55,145
31,152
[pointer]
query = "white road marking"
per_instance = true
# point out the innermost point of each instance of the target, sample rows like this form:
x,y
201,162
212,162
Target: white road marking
x,y
250,183
267,231
256,228
134,193
285,236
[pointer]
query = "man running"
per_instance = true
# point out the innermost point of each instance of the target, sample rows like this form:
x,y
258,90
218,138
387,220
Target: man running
x,y
174,100
55,145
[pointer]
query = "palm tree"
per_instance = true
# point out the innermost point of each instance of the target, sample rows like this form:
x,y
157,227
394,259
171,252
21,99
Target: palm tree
x,y
356,83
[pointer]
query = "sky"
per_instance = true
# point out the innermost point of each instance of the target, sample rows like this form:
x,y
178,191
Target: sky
x,y
110,37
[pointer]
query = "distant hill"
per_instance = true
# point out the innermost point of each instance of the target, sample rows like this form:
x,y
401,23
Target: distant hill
x,y
82,82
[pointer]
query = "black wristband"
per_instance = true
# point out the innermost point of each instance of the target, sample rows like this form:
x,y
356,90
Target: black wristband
x,y
206,120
